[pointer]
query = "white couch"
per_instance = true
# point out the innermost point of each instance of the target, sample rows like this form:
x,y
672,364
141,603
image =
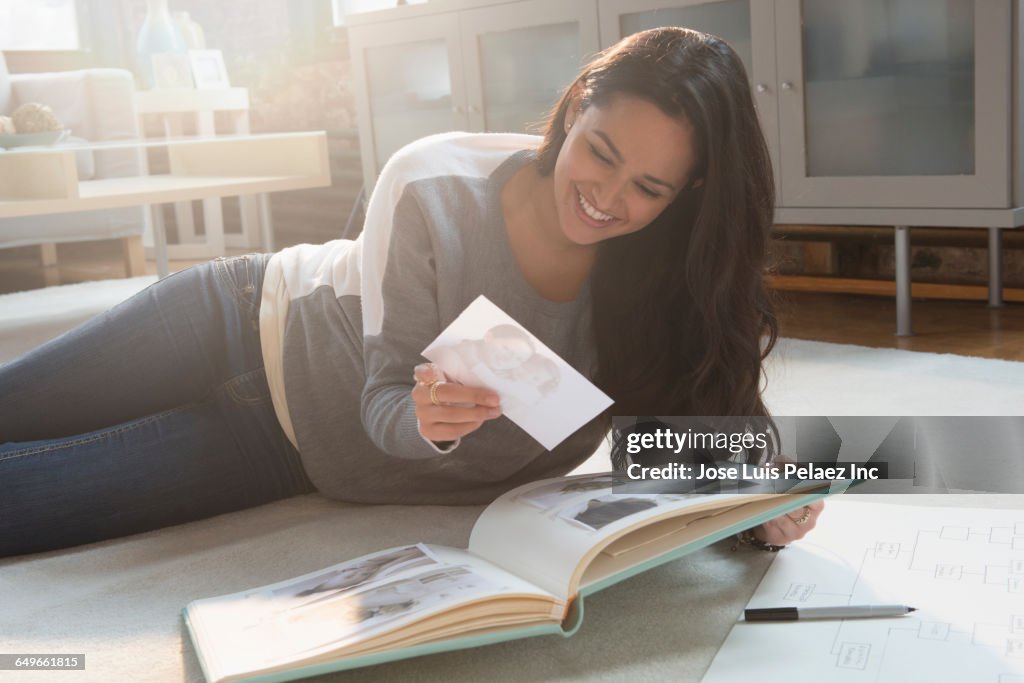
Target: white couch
x,y
96,105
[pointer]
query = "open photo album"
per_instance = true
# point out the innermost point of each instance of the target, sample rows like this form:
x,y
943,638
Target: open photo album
x,y
533,554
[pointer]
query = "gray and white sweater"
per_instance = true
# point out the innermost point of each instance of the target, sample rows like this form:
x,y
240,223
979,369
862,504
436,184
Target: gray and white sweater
x,y
342,325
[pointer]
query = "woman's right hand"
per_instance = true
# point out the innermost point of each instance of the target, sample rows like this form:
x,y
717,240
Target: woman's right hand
x,y
463,409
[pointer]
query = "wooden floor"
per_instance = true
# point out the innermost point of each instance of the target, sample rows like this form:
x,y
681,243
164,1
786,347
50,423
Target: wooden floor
x,y
965,328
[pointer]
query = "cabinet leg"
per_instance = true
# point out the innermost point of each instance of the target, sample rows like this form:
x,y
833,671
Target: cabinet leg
x,y
134,255
903,299
995,268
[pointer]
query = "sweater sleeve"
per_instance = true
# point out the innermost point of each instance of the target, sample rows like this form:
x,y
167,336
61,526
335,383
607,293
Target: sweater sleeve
x,y
400,309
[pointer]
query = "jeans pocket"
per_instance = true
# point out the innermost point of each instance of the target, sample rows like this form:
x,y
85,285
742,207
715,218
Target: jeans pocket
x,y
248,413
248,389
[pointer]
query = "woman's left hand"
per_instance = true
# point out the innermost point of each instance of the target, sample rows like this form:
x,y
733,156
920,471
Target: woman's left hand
x,y
784,529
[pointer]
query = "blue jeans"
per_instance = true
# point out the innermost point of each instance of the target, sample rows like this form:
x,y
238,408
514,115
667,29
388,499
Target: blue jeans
x,y
154,413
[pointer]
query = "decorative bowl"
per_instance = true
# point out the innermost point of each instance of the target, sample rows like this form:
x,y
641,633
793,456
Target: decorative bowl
x,y
50,137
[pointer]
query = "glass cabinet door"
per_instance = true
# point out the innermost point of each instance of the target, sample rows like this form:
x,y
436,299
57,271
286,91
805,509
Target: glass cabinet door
x,y
524,72
410,76
727,19
894,102
410,93
521,57
747,25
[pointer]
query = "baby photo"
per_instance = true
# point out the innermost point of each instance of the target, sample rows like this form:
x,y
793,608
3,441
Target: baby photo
x,y
356,614
350,575
539,391
504,360
597,513
558,493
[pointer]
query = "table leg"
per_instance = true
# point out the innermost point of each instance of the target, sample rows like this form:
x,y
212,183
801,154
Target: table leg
x,y
213,219
183,217
266,223
134,255
48,254
248,205
213,214
48,259
156,218
903,298
995,268
249,211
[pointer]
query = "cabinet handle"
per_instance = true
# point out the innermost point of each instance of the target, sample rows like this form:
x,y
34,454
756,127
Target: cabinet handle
x,y
786,85
761,88
457,109
473,109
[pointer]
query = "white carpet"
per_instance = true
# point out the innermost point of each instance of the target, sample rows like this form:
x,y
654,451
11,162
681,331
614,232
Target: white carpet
x,y
815,378
804,377
118,602
29,318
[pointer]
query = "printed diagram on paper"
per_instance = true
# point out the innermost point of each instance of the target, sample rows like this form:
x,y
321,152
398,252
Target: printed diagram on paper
x,y
963,568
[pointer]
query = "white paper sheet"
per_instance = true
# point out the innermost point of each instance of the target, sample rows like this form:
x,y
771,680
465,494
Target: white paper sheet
x,y
539,391
962,568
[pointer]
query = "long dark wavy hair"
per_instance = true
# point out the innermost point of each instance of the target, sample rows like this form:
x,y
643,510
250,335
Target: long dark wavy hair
x,y
682,315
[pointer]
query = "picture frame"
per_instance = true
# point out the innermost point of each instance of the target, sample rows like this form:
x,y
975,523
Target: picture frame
x,y
172,70
208,69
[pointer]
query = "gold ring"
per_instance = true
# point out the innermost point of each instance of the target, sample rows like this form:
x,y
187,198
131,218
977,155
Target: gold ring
x,y
802,519
433,391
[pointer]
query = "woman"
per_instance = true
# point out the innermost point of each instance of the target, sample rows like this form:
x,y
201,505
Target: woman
x,y
630,240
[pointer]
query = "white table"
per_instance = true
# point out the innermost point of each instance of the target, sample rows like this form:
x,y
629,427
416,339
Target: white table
x,y
174,107
44,180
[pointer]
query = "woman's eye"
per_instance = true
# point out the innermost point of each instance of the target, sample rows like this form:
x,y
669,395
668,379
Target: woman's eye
x,y
647,191
602,158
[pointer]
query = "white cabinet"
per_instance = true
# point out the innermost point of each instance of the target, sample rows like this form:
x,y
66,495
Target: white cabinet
x,y
873,103
876,112
496,68
895,103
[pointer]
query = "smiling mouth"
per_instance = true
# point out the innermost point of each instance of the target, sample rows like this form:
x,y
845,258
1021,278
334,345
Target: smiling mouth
x,y
592,211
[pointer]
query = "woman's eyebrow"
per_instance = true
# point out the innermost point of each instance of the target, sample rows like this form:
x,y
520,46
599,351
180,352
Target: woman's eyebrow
x,y
618,155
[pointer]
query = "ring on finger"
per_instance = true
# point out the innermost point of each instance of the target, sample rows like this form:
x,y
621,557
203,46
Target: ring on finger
x,y
802,519
433,391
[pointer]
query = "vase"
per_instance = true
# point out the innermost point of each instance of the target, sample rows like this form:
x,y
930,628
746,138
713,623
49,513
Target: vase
x,y
158,34
190,30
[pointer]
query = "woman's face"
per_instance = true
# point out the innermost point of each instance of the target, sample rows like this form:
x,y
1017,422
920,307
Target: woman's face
x,y
621,165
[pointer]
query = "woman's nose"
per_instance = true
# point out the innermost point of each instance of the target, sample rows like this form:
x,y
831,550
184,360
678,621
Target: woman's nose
x,y
607,192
